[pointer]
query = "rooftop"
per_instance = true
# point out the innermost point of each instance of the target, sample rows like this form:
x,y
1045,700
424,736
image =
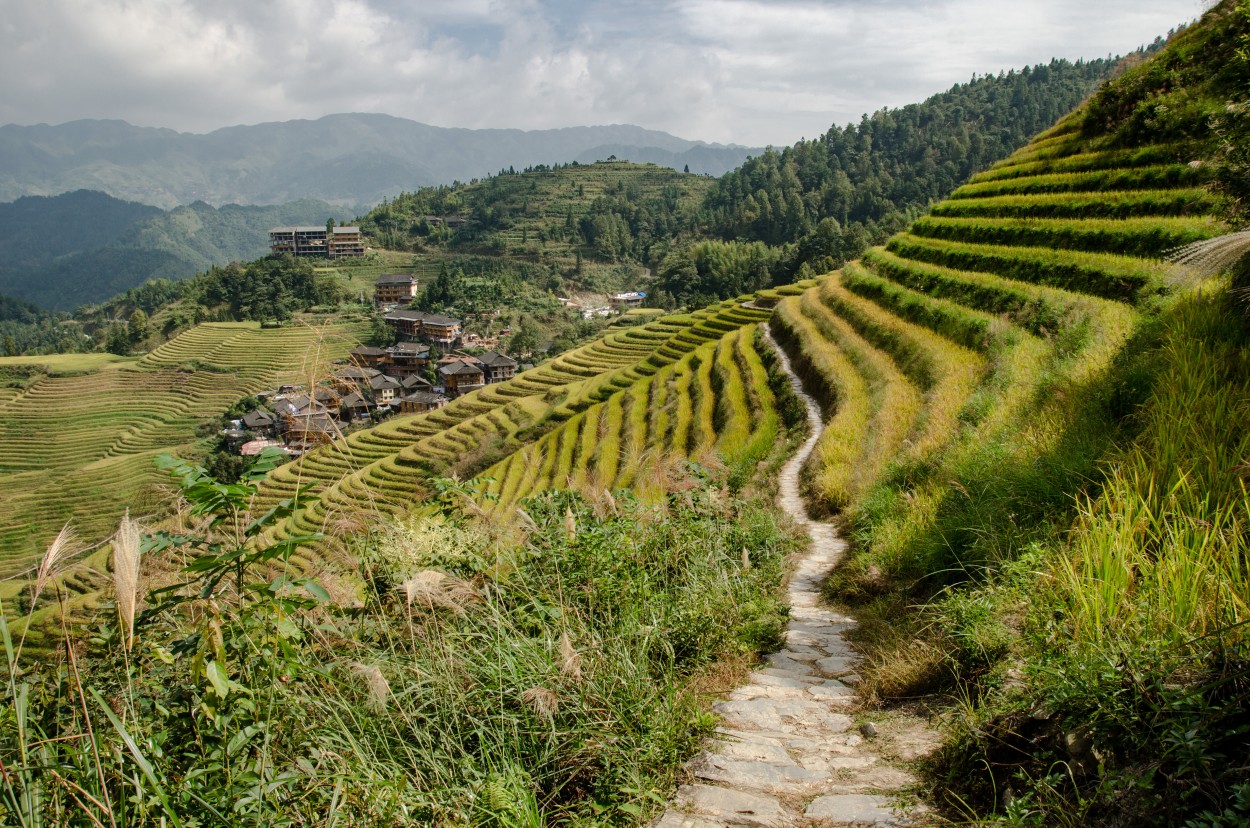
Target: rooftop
x,y
459,367
395,279
312,228
496,360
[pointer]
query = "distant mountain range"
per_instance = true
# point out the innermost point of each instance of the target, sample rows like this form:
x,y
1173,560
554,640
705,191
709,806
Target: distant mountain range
x,y
83,247
352,160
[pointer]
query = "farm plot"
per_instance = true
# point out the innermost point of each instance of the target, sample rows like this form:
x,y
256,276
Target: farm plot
x,y
541,424
77,446
713,405
954,347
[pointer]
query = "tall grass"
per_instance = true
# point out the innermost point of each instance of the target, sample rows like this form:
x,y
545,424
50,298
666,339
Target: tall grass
x,y
1135,623
494,675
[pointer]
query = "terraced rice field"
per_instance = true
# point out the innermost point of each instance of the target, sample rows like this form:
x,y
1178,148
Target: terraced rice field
x,y
78,446
957,333
588,412
714,401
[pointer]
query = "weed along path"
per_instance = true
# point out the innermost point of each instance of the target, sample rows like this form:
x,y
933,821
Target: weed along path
x,y
789,752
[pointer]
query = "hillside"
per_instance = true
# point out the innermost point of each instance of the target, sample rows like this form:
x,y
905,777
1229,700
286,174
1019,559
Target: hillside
x,y
592,401
345,159
516,609
1036,439
83,247
1016,385
78,432
610,211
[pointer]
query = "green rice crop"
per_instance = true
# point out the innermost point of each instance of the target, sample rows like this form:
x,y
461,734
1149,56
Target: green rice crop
x,y
1100,274
1124,204
1161,176
1141,236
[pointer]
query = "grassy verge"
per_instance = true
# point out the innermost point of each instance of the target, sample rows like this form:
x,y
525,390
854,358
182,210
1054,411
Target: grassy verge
x,y
1130,631
493,675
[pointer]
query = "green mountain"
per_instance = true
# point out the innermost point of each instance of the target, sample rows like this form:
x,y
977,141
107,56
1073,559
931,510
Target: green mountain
x,y
345,159
824,201
819,202
78,248
509,610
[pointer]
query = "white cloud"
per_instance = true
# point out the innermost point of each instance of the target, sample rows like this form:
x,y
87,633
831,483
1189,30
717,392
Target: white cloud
x,y
747,71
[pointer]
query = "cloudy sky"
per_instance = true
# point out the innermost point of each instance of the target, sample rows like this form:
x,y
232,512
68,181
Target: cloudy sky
x,y
752,72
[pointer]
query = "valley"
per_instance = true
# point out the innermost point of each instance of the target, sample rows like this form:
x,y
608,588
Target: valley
x,y
911,499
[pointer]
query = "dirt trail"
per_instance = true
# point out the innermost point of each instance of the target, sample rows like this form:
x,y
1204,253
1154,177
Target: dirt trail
x,y
789,752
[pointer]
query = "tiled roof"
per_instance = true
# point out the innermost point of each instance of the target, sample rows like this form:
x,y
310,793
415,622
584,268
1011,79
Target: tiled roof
x,y
395,279
459,368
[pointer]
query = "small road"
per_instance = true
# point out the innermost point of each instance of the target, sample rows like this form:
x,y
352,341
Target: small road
x,y
789,751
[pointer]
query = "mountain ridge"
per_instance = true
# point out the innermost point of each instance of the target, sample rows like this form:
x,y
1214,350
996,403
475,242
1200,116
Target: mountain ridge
x,y
345,159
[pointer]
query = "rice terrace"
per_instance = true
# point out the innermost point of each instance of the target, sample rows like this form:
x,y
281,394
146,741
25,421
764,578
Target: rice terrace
x,y
896,477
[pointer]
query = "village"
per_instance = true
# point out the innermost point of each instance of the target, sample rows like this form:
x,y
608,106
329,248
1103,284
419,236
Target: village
x,y
433,360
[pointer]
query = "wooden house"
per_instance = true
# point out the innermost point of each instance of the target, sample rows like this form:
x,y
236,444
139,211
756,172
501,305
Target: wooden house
x,y
355,407
461,376
394,289
384,389
406,358
420,401
497,367
364,356
261,423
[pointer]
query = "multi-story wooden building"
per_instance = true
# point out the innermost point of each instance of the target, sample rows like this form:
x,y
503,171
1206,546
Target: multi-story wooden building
x,y
418,326
497,367
323,242
406,358
394,289
461,376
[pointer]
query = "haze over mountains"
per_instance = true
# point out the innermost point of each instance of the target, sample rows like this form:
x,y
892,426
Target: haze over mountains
x,y
350,160
84,246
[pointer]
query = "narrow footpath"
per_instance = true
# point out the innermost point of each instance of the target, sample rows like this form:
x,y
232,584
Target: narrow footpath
x,y
789,752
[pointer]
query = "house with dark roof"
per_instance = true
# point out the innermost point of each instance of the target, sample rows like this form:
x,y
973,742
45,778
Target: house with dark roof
x,y
384,389
365,356
307,430
418,326
405,358
421,401
441,330
497,367
353,378
260,422
415,382
461,376
355,407
394,289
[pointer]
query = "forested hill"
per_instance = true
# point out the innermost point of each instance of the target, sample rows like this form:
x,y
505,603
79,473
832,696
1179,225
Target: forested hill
x,y
610,211
345,159
84,247
897,160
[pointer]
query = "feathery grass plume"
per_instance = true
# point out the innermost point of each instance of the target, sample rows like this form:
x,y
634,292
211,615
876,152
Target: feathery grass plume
x,y
526,520
126,552
746,558
1208,257
610,502
344,524
431,589
542,701
570,659
570,524
56,551
379,687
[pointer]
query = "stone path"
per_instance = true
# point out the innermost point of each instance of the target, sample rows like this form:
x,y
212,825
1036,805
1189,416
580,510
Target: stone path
x,y
788,752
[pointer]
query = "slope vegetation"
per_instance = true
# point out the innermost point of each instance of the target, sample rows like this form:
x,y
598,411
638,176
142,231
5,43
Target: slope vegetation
x,y
594,413
78,433
1037,434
